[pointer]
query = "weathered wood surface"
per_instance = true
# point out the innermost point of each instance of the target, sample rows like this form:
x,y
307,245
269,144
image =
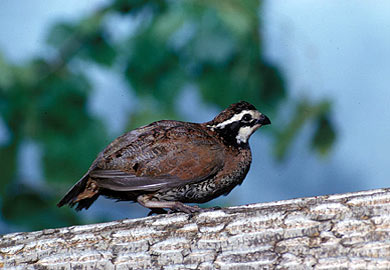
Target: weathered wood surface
x,y
346,231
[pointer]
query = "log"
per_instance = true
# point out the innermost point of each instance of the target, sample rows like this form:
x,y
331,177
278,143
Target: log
x,y
344,231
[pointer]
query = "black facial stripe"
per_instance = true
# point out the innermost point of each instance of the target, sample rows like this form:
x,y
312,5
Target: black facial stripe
x,y
250,124
230,131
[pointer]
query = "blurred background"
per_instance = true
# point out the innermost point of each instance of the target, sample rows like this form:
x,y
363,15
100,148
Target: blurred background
x,y
76,74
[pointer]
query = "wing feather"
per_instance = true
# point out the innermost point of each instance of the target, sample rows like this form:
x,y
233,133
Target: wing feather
x,y
121,181
158,156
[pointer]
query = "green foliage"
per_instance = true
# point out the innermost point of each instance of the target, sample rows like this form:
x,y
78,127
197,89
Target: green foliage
x,y
324,134
8,165
214,45
221,38
34,209
46,103
60,33
134,6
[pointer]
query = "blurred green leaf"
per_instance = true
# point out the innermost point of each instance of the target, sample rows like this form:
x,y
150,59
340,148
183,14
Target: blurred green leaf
x,y
304,112
87,40
324,136
6,75
213,42
8,166
34,209
272,90
62,103
156,74
239,16
168,23
133,6
68,156
99,49
61,33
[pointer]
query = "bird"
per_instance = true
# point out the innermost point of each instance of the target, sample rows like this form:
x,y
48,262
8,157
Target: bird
x,y
167,164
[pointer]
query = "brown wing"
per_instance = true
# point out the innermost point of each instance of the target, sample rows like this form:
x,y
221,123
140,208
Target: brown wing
x,y
162,155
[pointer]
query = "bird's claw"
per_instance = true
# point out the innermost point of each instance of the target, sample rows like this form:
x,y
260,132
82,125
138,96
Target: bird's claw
x,y
182,208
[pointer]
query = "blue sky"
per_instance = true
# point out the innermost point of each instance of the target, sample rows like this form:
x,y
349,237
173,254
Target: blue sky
x,y
326,49
340,50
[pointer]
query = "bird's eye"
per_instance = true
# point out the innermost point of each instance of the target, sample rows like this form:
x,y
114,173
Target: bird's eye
x,y
247,117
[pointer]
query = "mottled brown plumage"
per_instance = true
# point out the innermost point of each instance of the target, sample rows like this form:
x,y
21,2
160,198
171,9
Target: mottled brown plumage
x,y
168,163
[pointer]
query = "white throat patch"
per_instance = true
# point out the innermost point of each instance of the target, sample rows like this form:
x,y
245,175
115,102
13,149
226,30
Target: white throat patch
x,y
245,132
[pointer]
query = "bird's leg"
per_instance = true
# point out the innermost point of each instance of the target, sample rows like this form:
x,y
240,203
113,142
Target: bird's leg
x,y
176,206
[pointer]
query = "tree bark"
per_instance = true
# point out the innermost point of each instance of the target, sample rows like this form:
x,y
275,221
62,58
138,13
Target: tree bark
x,y
345,231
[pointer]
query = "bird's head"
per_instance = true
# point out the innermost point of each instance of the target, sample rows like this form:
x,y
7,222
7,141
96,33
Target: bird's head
x,y
238,122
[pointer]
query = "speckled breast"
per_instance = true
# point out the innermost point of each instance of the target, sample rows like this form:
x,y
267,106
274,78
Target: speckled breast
x,y
221,184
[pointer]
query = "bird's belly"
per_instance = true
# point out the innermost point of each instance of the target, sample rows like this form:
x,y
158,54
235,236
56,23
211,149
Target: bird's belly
x,y
206,190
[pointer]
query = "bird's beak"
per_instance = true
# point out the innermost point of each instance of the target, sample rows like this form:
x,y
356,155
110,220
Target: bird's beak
x,y
264,120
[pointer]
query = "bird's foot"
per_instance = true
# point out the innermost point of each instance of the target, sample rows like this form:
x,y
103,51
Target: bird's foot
x,y
183,208
188,209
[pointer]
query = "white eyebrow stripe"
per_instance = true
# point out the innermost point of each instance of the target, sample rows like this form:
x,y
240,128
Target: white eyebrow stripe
x,y
236,117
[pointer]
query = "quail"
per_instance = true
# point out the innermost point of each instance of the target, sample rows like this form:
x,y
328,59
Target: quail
x,y
168,163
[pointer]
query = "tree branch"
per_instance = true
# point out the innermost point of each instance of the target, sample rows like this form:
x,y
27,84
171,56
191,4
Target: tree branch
x,y
349,231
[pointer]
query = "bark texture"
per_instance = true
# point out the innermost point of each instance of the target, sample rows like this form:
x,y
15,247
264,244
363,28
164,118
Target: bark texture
x,y
346,231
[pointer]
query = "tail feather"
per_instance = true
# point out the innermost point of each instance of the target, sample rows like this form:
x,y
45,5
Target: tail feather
x,y
70,197
86,203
